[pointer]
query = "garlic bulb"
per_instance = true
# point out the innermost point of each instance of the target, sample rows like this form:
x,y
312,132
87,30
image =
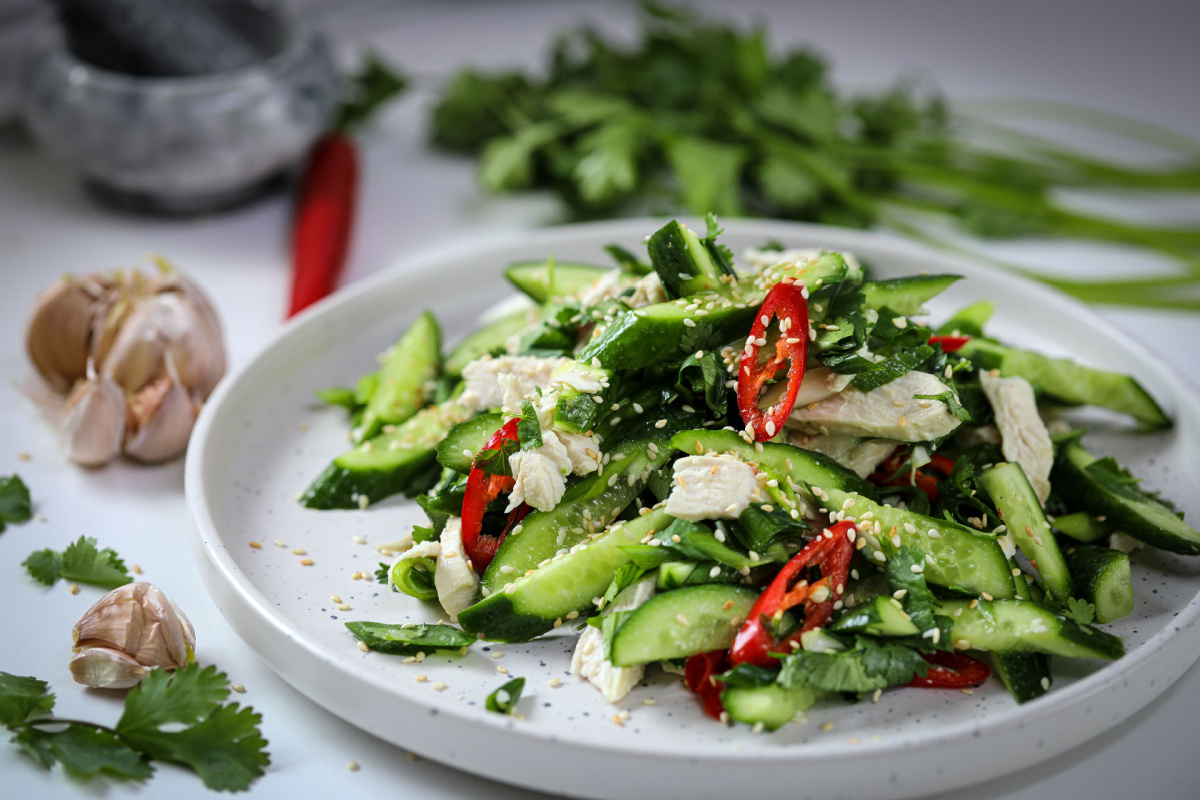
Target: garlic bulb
x,y
154,341
130,630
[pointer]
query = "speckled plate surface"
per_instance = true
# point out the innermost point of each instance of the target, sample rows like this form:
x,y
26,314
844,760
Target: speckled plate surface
x,y
261,439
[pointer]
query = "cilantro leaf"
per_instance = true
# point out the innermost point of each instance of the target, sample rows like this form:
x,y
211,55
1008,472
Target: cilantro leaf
x,y
381,574
399,640
918,601
81,562
14,501
1079,610
177,717
705,377
45,566
529,428
364,92
867,666
23,698
700,337
504,700
625,575
494,460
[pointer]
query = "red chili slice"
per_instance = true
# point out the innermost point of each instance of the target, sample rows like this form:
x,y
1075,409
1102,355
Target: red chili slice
x,y
952,671
483,488
698,671
831,551
950,343
786,303
885,473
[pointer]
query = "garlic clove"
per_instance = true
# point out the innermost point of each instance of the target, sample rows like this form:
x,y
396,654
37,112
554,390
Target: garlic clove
x,y
93,426
159,421
59,330
105,668
138,620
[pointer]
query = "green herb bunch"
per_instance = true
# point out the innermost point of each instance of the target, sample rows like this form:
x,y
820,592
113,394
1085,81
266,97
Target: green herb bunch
x,y
701,116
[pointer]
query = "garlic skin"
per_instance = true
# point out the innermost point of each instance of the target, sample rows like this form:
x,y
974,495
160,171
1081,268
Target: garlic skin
x,y
153,340
136,621
93,426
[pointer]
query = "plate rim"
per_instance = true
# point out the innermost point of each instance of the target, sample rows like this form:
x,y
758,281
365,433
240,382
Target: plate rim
x,y
221,565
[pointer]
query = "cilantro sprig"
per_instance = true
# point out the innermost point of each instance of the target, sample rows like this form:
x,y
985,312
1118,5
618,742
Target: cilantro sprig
x,y
82,562
700,115
179,718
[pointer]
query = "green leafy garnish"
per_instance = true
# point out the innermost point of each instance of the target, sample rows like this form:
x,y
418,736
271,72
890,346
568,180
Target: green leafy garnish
x,y
698,115
81,562
869,665
364,92
410,639
1080,610
504,700
917,599
14,501
177,717
529,428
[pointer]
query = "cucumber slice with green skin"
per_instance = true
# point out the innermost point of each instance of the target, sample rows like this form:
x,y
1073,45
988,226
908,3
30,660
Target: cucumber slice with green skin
x,y
589,504
1123,508
1020,626
906,295
682,623
804,466
682,262
534,278
1018,507
471,435
1025,675
1082,527
386,464
483,341
408,365
667,331
773,706
1101,576
1070,382
964,560
568,583
1024,626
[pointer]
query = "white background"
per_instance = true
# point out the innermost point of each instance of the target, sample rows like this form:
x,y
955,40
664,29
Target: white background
x,y
1139,59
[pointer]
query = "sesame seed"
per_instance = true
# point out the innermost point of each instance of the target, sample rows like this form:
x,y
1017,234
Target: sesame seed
x,y
879,556
237,687
555,682
438,686
682,620
299,551
279,543
256,545
689,322
358,539
363,501
352,766
343,607
662,423
306,562
1045,684
363,646
334,598
828,726
962,644
986,596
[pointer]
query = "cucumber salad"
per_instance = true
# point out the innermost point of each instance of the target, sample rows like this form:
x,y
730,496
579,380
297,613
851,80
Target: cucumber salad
x,y
778,479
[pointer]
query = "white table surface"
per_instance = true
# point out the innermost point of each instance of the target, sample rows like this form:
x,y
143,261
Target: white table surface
x,y
1139,59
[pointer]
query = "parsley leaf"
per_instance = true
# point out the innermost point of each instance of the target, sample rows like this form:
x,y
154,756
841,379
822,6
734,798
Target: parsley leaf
x,y
494,460
869,665
14,501
81,562
365,91
918,601
176,717
504,700
705,377
381,574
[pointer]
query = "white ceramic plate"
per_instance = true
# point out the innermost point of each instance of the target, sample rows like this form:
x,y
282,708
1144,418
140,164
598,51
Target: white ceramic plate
x,y
261,439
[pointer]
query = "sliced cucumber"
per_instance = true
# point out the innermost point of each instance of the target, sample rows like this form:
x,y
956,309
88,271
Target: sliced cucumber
x,y
804,466
959,557
1070,382
772,705
682,262
682,623
540,281
1082,527
906,295
1025,675
1101,576
1009,625
408,366
529,606
387,464
1078,479
483,341
1018,507
671,330
471,436
579,412
1024,626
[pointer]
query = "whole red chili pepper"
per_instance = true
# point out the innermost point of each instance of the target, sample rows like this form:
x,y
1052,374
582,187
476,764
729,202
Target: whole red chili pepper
x,y
324,219
951,671
699,671
786,303
831,551
483,488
